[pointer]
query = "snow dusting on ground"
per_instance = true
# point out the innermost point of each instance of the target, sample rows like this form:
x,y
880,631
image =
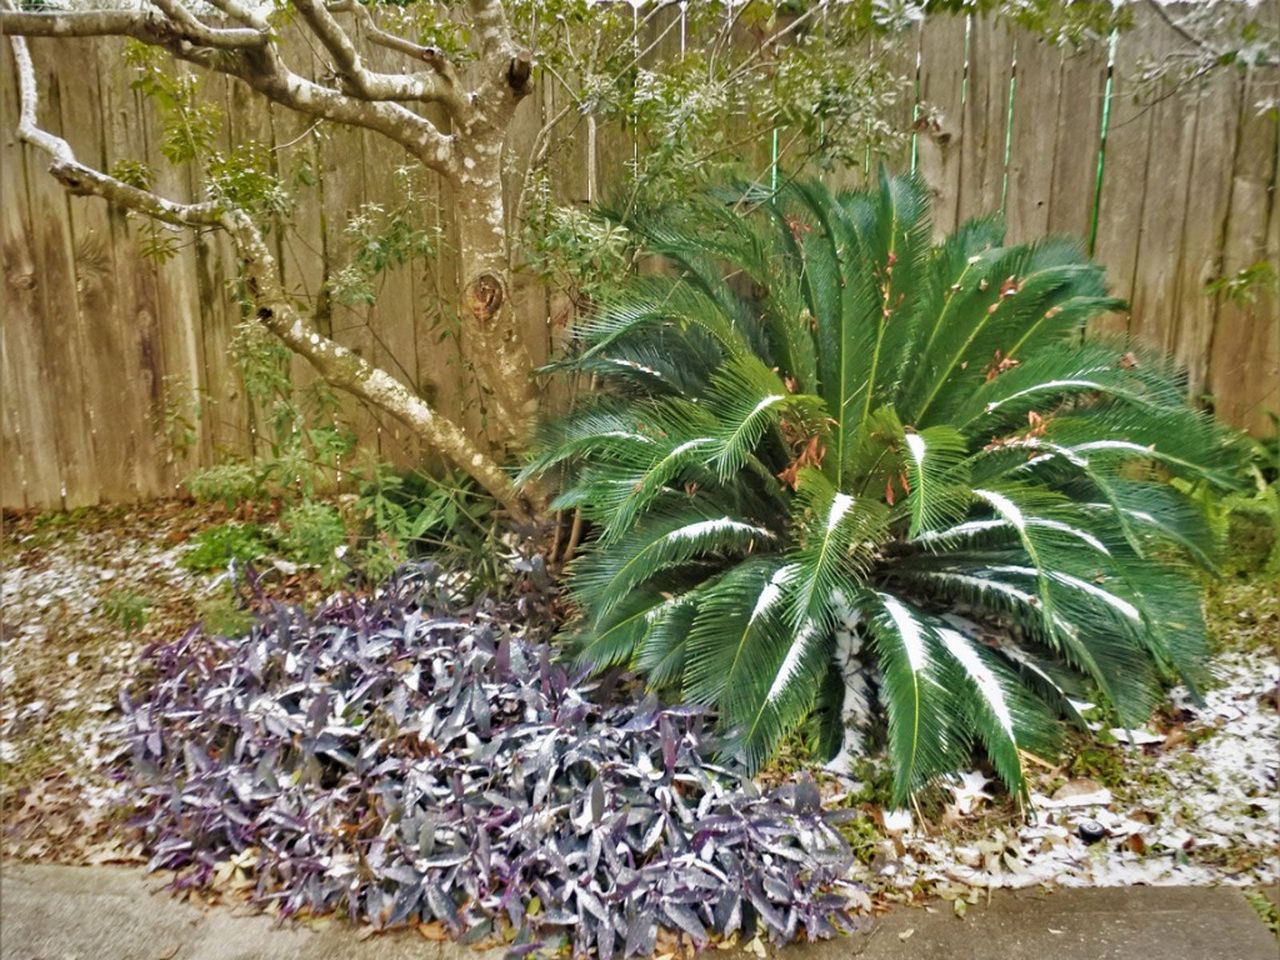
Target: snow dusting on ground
x,y
65,659
1204,808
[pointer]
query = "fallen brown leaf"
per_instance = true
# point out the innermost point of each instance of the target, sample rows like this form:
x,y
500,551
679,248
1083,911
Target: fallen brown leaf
x,y
433,931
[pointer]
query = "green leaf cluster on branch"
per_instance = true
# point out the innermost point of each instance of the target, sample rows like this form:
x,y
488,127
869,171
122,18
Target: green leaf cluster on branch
x,y
819,426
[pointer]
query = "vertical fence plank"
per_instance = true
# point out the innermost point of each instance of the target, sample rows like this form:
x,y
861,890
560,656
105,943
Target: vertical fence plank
x,y
52,244
528,296
1191,325
1154,306
107,400
1262,395
134,321
902,60
300,148
940,125
985,118
176,363
1124,178
391,327
1081,87
1244,366
13,465
1033,134
34,458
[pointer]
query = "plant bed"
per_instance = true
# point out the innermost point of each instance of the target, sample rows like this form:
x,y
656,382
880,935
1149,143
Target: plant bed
x,y
398,759
84,592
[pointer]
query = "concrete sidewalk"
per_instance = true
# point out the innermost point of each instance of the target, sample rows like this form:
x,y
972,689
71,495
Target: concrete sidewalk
x,y
105,913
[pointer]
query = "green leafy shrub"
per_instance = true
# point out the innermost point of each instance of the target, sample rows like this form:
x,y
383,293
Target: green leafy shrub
x,y
223,615
314,533
215,547
128,608
226,483
404,515
821,430
1250,518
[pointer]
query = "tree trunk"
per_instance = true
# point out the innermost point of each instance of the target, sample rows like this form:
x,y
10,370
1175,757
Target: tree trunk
x,y
489,314
352,373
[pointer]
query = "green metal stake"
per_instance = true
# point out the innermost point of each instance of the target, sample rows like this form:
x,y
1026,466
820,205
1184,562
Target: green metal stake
x,y
1008,130
773,163
915,119
1102,145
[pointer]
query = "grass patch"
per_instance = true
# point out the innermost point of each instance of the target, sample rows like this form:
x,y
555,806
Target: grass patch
x,y
127,608
215,548
1102,762
1242,613
1267,911
223,614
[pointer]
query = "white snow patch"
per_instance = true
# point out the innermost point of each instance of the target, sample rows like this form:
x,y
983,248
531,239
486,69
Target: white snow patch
x,y
1197,810
960,648
839,507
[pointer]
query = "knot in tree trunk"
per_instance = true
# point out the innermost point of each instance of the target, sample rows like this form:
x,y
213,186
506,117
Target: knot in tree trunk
x,y
483,297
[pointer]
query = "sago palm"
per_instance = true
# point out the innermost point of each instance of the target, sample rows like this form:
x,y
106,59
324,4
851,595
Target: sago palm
x,y
815,428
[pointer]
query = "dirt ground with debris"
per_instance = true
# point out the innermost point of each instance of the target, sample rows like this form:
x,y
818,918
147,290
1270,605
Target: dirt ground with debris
x,y
1192,799
83,594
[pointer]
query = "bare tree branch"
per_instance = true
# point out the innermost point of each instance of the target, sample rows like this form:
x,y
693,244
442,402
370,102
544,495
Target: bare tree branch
x,y
237,11
1181,29
276,311
431,56
82,179
368,84
201,32
257,63
142,25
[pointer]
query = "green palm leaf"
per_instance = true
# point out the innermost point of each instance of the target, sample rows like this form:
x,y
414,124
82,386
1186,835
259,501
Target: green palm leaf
x,y
935,464
922,740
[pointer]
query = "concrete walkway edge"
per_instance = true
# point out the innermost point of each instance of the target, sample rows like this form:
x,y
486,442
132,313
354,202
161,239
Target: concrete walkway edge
x,y
110,913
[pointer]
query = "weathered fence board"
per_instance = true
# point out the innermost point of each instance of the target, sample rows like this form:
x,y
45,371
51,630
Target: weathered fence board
x,y
1246,340
986,112
1033,138
939,126
1081,97
99,344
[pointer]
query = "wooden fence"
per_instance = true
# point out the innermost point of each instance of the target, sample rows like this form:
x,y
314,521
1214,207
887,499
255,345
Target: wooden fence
x,y
102,347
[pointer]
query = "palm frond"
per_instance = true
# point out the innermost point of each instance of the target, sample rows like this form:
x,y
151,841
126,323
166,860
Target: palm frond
x,y
744,611
747,398
838,534
923,740
935,465
602,579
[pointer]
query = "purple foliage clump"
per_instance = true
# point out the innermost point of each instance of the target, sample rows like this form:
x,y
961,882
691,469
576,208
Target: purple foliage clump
x,y
400,759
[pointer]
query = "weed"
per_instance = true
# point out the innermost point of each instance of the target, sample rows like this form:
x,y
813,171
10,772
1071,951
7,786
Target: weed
x,y
1198,735
1104,763
876,777
314,533
215,547
127,608
223,615
1243,613
227,483
863,836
